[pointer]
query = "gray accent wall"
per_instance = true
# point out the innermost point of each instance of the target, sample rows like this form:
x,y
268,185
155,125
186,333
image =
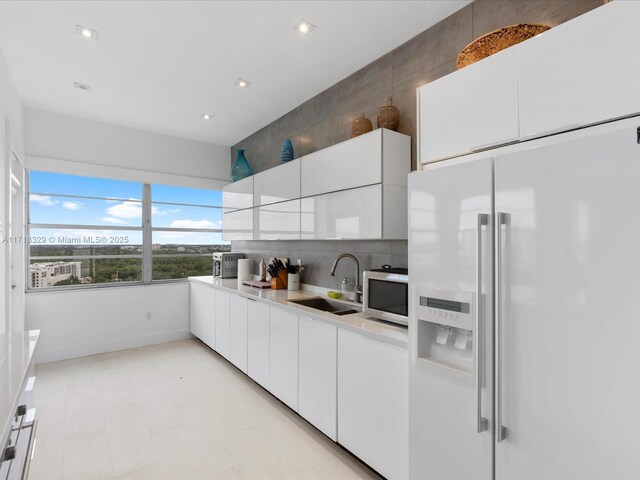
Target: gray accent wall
x,y
318,256
325,119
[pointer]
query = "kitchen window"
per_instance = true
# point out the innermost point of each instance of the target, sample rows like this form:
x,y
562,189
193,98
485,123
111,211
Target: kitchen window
x,y
85,231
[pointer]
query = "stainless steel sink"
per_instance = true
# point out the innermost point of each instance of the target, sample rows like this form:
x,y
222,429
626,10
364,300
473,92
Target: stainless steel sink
x,y
335,308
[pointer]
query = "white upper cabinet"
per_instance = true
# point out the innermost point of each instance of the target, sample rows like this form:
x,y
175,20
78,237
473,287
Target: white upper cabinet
x,y
471,109
238,195
349,214
238,225
277,184
364,160
278,221
583,72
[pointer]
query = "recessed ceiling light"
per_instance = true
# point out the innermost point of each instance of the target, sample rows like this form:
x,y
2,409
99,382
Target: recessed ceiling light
x,y
242,83
304,27
206,116
82,86
87,32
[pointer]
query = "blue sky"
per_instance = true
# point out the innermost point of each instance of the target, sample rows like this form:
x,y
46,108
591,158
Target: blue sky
x,y
47,204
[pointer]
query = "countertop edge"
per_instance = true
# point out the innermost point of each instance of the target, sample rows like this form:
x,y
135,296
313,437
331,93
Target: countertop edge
x,y
395,335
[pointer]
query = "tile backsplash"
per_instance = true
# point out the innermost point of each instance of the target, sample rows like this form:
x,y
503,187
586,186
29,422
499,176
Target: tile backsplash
x,y
318,256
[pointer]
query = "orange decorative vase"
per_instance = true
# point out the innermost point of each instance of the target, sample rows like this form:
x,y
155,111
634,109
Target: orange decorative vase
x,y
361,125
389,116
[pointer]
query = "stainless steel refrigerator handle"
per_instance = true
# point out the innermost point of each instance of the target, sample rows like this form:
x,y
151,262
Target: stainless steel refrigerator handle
x,y
482,423
501,431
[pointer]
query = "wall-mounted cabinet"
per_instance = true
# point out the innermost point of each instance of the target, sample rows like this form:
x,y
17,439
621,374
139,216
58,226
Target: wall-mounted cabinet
x,y
278,184
355,189
471,109
581,73
577,74
238,225
238,195
277,221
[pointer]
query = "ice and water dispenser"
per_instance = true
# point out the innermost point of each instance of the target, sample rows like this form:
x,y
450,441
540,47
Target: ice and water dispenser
x,y
445,327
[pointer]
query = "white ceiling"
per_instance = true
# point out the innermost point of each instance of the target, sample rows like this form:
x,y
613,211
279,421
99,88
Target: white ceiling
x,y
158,65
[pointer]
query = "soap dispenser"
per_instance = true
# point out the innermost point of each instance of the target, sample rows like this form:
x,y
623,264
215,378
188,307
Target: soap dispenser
x,y
344,289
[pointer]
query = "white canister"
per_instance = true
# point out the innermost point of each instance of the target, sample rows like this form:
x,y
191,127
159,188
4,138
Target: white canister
x,y
293,281
244,269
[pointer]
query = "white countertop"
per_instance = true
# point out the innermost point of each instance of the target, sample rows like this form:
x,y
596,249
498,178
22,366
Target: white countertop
x,y
383,331
16,353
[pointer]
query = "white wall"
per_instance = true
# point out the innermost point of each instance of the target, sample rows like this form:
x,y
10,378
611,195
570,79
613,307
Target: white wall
x,y
97,320
11,110
126,152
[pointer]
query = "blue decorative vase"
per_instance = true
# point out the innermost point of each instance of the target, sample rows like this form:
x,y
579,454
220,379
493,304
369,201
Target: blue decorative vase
x,y
287,151
240,168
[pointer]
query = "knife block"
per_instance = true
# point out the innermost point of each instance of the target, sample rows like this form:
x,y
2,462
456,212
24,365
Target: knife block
x,y
279,282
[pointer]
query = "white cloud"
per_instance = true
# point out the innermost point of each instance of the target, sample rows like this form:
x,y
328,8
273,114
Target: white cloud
x,y
127,209
72,205
194,224
44,200
116,221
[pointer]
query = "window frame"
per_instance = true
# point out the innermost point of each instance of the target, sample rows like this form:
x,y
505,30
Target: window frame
x,y
146,229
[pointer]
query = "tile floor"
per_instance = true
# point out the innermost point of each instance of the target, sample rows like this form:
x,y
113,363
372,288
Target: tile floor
x,y
174,411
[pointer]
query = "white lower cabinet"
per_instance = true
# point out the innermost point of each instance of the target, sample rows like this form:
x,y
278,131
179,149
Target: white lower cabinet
x,y
238,331
373,393
258,342
222,323
317,379
202,314
283,356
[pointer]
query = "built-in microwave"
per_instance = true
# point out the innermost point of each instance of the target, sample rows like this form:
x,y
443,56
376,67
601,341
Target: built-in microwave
x,y
386,294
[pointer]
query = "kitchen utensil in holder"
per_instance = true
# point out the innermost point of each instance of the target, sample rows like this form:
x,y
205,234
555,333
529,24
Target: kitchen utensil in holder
x,y
279,282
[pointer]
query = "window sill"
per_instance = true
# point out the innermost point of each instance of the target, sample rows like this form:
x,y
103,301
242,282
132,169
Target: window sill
x,y
73,288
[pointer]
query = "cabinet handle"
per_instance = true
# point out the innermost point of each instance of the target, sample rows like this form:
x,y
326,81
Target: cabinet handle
x,y
481,422
501,431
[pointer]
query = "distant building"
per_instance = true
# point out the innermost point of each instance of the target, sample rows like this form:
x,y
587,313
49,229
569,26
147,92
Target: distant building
x,y
156,246
48,274
181,249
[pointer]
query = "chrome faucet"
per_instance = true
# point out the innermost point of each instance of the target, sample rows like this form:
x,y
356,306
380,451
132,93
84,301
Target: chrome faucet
x,y
332,272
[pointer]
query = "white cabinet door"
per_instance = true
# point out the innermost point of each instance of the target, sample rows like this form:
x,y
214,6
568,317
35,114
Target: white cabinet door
x,y
202,302
238,331
471,109
222,323
582,72
352,163
258,342
283,356
318,376
238,225
355,213
373,402
238,195
278,221
277,184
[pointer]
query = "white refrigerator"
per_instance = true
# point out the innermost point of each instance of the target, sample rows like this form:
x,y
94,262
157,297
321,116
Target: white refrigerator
x,y
524,271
